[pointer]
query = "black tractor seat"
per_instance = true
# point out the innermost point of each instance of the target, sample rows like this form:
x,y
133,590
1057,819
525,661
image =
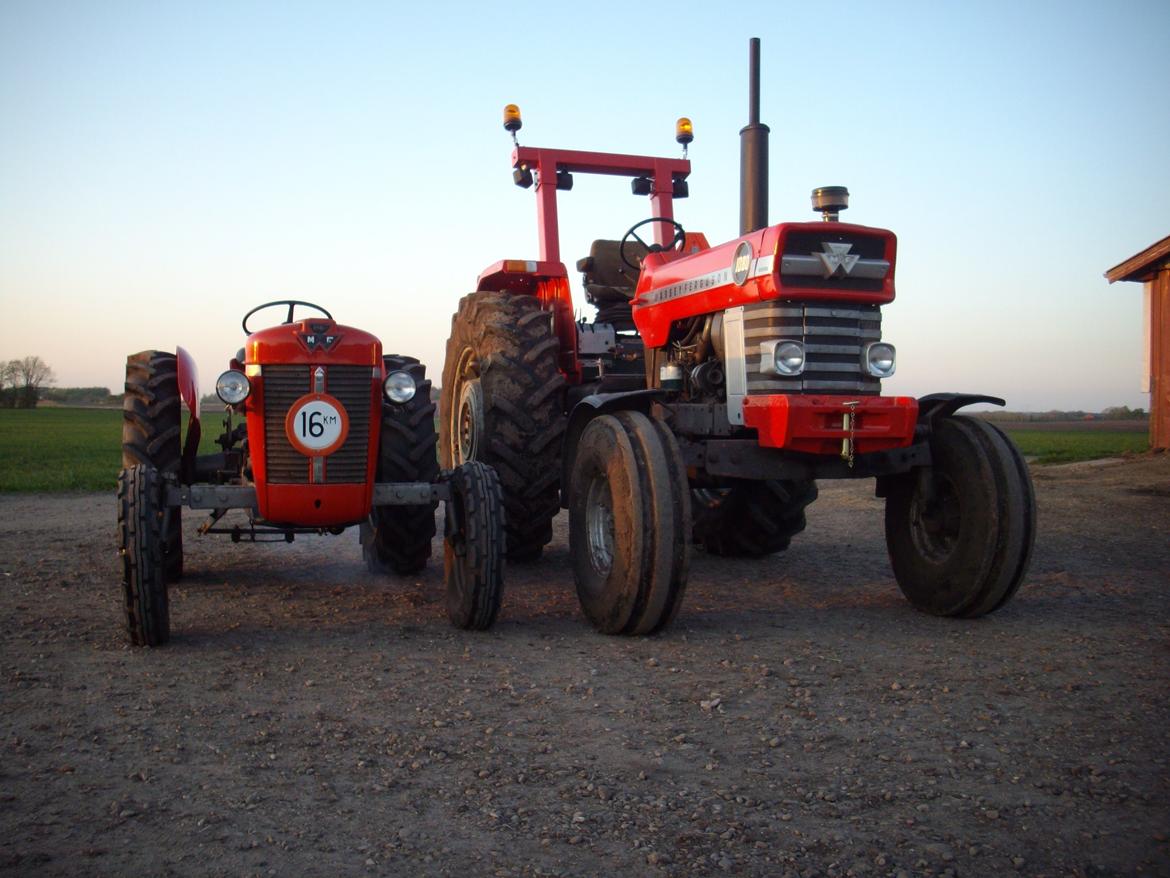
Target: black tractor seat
x,y
610,283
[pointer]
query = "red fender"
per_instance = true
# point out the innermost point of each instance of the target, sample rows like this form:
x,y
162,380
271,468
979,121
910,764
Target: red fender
x,y
189,391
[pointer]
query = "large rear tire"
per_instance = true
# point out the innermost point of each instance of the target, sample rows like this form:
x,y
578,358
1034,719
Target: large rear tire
x,y
960,533
751,519
141,520
474,547
629,518
151,431
398,538
502,403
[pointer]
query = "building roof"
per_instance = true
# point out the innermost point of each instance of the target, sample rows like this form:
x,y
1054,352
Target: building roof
x,y
1144,265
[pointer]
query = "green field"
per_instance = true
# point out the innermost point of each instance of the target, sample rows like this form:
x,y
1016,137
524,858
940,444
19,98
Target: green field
x,y
68,449
1068,446
75,449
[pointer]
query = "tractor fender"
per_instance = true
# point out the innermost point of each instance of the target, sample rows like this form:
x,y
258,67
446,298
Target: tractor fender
x,y
942,405
589,408
188,376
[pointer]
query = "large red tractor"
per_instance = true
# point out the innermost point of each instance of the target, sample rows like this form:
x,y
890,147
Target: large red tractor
x,y
322,432
715,386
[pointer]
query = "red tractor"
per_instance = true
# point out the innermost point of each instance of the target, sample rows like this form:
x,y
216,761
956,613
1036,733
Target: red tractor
x,y
331,434
715,386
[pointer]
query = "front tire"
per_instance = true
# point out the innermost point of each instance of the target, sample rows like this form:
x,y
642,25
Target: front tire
x,y
141,520
960,533
629,518
398,538
151,414
474,547
502,403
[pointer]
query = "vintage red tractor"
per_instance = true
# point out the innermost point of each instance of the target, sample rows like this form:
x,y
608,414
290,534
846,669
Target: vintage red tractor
x,y
715,386
332,434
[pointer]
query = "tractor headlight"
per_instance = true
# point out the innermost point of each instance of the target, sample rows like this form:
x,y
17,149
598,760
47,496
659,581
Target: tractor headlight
x,y
880,359
784,357
233,387
399,387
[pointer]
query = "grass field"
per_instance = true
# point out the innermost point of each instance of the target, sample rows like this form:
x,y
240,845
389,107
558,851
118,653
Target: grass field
x,y
68,449
77,449
1068,446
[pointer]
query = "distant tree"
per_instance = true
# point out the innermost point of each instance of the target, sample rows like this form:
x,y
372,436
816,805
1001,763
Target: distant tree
x,y
23,380
1123,413
8,384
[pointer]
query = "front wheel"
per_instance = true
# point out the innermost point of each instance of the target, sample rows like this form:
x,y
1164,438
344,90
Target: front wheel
x,y
473,547
142,525
629,519
960,532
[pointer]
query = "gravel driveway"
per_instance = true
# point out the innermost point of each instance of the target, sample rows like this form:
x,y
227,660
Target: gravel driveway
x,y
310,719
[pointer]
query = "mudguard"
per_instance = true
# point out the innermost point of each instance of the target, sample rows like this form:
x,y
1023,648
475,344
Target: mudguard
x,y
188,376
588,409
943,405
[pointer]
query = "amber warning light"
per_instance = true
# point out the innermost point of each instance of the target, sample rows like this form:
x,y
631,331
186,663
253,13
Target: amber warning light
x,y
512,121
684,133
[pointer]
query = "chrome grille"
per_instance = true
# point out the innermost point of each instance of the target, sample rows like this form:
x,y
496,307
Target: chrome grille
x,y
283,386
834,341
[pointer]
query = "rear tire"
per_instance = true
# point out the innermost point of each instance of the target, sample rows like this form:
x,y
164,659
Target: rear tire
x,y
502,403
629,517
398,538
151,410
960,534
474,547
752,518
141,516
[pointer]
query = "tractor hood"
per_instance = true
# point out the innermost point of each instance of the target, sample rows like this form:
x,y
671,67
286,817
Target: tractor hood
x,y
314,340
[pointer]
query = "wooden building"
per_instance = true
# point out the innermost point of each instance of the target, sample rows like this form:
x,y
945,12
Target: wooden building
x,y
1151,267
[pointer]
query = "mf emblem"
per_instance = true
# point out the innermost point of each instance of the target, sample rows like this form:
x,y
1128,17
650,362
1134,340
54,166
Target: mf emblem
x,y
836,258
741,263
320,337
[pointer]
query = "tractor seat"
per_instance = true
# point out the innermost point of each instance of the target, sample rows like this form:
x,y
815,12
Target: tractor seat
x,y
607,279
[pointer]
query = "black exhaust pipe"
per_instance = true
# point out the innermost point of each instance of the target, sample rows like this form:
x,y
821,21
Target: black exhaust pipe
x,y
753,154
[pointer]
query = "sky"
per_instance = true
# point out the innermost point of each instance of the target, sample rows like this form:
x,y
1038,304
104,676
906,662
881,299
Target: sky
x,y
166,166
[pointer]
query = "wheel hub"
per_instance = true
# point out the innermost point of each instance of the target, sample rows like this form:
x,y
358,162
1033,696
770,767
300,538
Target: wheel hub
x,y
599,526
936,519
468,426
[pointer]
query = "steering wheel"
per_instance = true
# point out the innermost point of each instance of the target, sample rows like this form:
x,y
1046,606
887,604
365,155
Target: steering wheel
x,y
292,303
632,235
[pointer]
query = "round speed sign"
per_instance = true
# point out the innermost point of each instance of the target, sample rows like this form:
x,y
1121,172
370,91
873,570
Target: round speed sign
x,y
316,424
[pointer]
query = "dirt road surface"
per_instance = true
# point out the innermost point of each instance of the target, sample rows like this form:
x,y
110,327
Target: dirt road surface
x,y
310,719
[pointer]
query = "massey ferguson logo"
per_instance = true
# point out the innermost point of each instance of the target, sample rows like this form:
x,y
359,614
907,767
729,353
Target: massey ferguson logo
x,y
836,258
320,337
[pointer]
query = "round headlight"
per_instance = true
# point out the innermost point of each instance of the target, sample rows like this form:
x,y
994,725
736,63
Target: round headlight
x,y
880,359
233,387
789,357
399,387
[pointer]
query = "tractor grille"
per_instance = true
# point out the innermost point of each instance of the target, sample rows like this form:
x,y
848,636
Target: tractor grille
x,y
283,386
834,342
871,249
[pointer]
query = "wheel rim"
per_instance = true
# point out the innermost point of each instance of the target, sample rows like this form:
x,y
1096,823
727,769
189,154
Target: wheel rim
x,y
935,523
710,498
467,416
599,526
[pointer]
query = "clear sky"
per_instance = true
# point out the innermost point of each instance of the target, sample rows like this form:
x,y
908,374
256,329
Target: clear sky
x,y
165,166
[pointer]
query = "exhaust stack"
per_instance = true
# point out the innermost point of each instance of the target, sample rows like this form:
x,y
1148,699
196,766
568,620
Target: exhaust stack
x,y
753,153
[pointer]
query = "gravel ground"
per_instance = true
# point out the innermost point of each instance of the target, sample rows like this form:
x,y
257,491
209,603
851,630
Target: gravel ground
x,y
799,719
